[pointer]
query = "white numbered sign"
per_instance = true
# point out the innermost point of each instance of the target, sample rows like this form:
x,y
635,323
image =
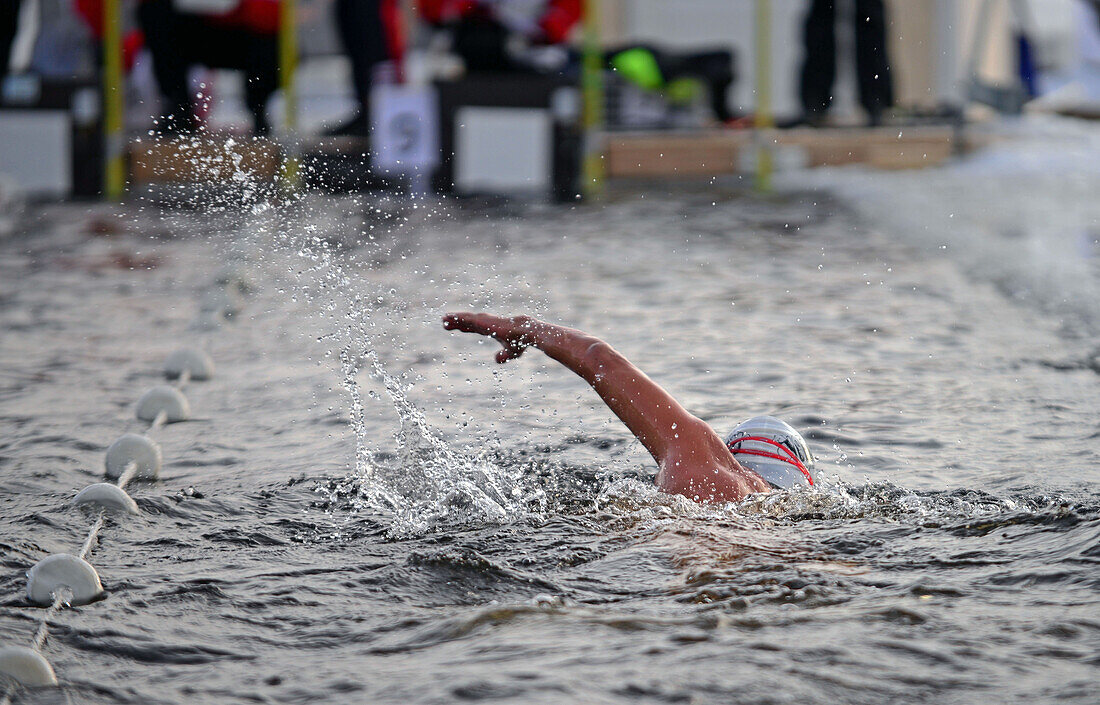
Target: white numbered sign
x,y
406,128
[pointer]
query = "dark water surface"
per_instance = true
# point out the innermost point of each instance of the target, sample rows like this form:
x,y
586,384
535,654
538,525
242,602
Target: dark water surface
x,y
477,532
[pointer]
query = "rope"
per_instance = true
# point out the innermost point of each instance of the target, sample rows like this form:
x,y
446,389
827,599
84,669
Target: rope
x,y
62,596
9,693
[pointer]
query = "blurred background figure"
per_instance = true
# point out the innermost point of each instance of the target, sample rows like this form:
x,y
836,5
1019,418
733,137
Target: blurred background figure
x,y
876,90
133,41
531,36
230,34
675,73
9,25
489,35
371,33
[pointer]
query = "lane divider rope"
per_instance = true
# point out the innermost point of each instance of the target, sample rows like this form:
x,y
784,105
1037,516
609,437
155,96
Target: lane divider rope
x,y
66,580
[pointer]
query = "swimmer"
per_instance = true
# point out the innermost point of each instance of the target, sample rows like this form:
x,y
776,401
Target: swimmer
x,y
760,454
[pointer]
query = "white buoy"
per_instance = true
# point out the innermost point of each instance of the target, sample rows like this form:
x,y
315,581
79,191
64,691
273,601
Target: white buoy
x,y
194,361
26,666
163,398
220,301
62,572
106,496
132,448
234,278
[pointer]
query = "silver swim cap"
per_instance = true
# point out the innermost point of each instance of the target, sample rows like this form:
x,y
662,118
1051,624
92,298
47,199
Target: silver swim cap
x,y
773,450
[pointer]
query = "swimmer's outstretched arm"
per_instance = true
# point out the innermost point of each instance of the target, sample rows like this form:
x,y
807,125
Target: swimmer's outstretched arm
x,y
693,460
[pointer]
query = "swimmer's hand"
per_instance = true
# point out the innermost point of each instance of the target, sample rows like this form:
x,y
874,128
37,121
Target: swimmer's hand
x,y
514,334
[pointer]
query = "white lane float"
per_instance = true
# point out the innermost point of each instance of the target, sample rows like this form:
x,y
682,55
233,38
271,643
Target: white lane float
x,y
163,398
234,278
106,496
26,666
63,573
192,361
132,448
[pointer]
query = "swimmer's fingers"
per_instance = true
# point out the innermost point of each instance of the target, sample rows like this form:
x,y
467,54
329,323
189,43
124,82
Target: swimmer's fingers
x,y
509,331
509,352
480,323
459,321
513,338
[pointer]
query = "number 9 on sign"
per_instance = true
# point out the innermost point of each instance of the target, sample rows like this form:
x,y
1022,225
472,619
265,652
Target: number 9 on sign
x,y
405,122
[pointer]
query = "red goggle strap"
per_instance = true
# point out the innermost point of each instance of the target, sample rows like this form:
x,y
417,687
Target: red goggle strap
x,y
790,457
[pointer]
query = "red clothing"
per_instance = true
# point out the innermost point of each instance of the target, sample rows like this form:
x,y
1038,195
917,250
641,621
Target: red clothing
x,y
395,34
440,11
260,16
133,41
555,21
559,18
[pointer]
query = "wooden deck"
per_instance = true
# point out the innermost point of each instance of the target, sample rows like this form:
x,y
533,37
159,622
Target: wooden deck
x,y
341,162
718,152
204,159
213,160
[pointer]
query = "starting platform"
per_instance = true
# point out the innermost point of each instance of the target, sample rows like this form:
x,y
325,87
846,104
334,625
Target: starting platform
x,y
723,152
343,163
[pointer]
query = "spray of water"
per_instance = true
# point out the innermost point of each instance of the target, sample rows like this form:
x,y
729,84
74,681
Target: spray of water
x,y
425,483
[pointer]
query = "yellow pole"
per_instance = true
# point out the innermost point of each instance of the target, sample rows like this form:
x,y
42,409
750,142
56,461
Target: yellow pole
x,y
764,121
592,166
288,69
114,166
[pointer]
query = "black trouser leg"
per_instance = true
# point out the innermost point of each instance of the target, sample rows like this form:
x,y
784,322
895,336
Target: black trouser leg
x,y
364,40
482,44
260,63
9,25
167,34
178,40
819,65
876,88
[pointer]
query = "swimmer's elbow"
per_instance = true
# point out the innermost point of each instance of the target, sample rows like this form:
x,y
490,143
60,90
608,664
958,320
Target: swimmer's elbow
x,y
599,357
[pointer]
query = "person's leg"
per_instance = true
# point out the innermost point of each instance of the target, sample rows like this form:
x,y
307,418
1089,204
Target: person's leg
x,y
364,40
261,76
9,26
482,43
254,54
819,64
167,35
876,88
